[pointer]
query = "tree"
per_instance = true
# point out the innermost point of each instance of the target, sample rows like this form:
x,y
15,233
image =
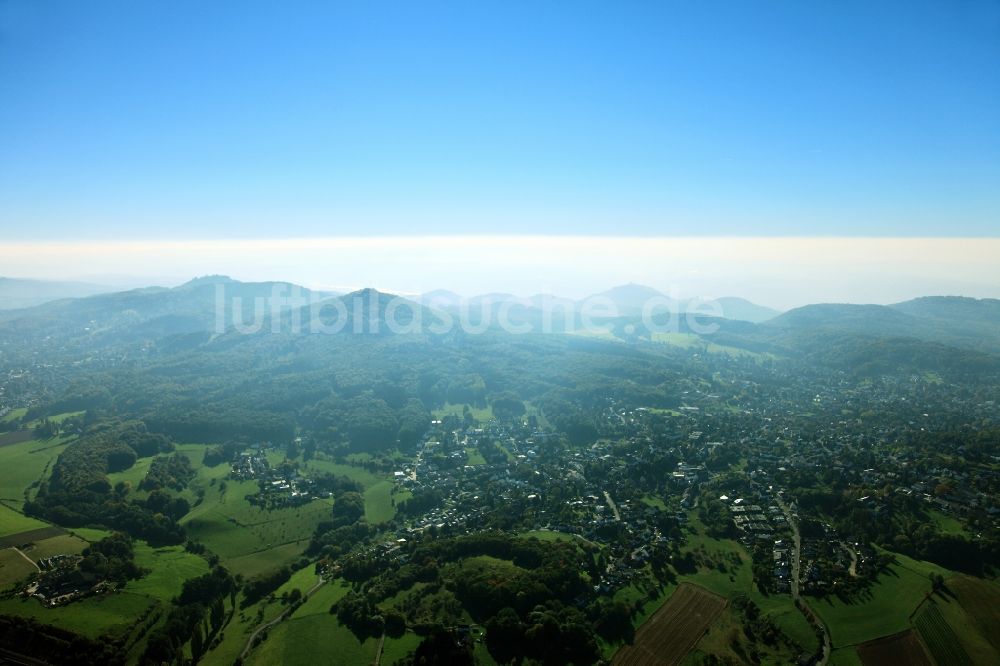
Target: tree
x,y
348,507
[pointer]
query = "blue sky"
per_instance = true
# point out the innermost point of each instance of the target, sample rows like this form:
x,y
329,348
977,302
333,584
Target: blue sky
x,y
152,120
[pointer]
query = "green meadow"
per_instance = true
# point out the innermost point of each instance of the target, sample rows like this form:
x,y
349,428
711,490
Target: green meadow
x,y
115,613
14,414
64,544
313,635
13,522
884,609
481,414
694,342
25,463
111,614
13,567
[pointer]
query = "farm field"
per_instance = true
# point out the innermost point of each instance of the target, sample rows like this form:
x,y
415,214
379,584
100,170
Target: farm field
x,y
901,648
737,577
235,634
134,474
24,463
14,414
692,341
168,569
251,540
674,629
881,611
13,522
378,502
939,637
845,656
114,614
259,562
296,639
377,488
553,535
14,437
13,567
241,534
64,544
980,601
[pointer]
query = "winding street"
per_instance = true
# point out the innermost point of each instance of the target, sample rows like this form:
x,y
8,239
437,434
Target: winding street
x,y
813,618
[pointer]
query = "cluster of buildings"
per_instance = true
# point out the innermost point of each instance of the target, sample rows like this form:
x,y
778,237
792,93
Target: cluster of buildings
x,y
61,582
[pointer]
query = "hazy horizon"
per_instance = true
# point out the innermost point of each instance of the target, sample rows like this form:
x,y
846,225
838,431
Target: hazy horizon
x,y
777,272
787,153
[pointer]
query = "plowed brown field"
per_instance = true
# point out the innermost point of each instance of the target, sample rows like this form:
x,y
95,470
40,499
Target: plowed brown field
x,y
674,629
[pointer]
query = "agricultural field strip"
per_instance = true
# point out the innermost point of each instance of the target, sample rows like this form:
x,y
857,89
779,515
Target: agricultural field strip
x,y
674,629
902,648
939,637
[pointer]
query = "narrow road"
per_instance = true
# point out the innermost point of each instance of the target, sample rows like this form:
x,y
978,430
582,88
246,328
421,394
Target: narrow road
x,y
281,616
613,506
30,561
378,652
802,605
853,570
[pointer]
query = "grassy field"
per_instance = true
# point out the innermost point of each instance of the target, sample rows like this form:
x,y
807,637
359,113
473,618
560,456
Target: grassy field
x,y
353,472
946,524
64,544
13,522
25,463
262,561
378,503
475,457
692,341
13,567
655,502
234,529
313,636
882,610
235,634
134,474
377,489
89,534
111,614
115,613
972,610
481,414
552,535
14,414
59,418
845,656
251,540
169,568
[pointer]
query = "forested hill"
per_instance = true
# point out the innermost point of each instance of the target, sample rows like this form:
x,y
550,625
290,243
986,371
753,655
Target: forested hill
x,y
141,315
957,321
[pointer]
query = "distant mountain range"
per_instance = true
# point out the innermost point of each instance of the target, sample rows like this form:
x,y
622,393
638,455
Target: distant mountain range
x,y
19,293
629,300
955,320
930,333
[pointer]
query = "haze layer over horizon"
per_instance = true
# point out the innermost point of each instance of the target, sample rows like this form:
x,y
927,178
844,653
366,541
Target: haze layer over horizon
x,y
778,272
